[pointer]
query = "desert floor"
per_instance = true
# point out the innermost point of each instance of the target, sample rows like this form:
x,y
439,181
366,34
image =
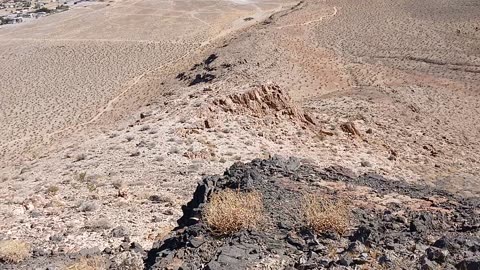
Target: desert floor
x,y
113,112
65,71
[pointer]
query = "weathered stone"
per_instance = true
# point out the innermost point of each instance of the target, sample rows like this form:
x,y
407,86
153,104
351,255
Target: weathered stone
x,y
427,265
214,265
88,252
356,247
436,254
56,238
295,240
361,234
469,264
197,241
285,238
365,164
384,259
345,260
264,100
119,231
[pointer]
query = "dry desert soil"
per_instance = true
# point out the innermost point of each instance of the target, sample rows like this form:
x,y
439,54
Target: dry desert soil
x,y
111,112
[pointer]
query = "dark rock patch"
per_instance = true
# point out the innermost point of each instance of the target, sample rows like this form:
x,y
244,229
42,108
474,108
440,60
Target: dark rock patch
x,y
396,237
203,72
202,78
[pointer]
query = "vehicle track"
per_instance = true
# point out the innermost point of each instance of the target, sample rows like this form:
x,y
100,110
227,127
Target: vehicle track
x,y
110,104
335,10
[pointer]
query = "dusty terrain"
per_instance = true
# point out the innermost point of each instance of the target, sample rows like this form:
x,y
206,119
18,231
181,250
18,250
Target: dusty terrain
x,y
385,88
63,72
417,228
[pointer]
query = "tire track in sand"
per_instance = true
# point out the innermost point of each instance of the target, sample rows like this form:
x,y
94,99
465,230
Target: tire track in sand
x,y
335,10
110,104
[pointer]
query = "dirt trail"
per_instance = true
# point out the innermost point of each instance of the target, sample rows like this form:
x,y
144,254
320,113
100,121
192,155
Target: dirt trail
x,y
335,10
392,135
110,105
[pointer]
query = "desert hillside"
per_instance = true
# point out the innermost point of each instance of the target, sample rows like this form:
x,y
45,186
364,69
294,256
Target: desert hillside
x,y
120,119
69,70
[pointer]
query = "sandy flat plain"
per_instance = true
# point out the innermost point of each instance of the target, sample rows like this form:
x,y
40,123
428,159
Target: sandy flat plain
x,y
61,71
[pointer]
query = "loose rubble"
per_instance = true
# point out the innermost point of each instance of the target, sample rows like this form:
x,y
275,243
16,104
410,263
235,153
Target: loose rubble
x,y
443,235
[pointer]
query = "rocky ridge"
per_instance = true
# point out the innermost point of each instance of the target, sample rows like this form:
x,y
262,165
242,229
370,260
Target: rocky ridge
x,y
422,228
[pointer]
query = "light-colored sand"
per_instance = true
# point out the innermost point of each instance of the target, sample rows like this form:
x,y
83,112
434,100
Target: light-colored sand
x,y
412,95
61,72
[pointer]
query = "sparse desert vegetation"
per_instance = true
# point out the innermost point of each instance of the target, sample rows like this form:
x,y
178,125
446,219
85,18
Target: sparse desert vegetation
x,y
131,44
111,113
93,263
324,214
370,232
230,211
13,251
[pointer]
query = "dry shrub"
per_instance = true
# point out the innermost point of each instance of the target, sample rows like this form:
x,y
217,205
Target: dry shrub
x,y
323,214
93,263
230,211
13,251
52,190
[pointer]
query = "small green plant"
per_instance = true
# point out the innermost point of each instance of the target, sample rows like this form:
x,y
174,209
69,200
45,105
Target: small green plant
x,y
91,186
52,190
81,176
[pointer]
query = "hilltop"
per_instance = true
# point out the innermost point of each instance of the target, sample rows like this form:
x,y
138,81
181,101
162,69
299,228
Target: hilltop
x,y
377,104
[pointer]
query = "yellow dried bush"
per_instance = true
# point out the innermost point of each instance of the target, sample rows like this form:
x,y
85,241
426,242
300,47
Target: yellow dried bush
x,y
230,211
93,263
323,214
13,251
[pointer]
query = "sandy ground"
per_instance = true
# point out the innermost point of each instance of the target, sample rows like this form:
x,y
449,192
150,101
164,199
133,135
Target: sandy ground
x,y
62,71
379,88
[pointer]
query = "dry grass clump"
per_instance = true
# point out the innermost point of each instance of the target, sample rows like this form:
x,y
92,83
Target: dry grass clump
x,y
13,251
323,214
93,263
52,190
230,211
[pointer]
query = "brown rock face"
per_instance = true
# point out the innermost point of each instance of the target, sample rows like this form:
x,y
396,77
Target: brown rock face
x,y
264,100
349,127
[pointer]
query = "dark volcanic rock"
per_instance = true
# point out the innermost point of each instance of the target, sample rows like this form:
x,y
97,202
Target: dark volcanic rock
x,y
469,264
437,255
397,235
361,234
119,231
397,238
202,78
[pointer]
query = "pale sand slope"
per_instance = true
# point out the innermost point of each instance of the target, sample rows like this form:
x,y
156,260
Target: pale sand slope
x,y
64,70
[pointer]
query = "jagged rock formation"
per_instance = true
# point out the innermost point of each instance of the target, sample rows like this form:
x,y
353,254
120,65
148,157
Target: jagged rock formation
x,y
262,100
406,226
